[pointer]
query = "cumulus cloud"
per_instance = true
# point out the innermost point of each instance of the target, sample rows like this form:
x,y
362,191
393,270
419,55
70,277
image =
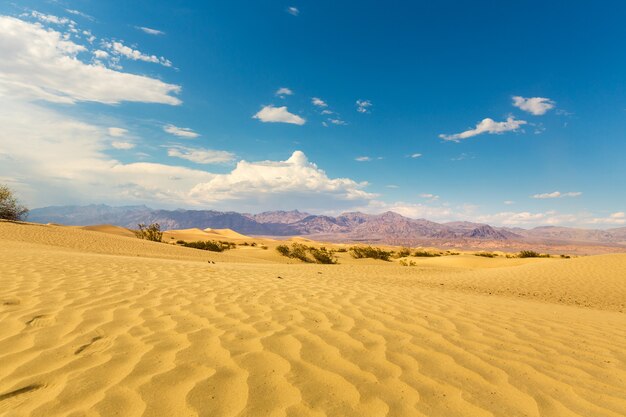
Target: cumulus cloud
x,y
486,126
122,145
117,132
55,20
150,31
537,106
362,106
119,49
201,156
318,102
283,91
338,122
40,63
182,132
271,114
557,194
293,11
295,182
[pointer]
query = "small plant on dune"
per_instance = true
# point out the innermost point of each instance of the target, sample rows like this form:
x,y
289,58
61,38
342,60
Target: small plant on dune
x,y
426,254
359,252
264,247
10,208
565,256
532,254
486,254
403,253
302,252
341,250
210,245
150,232
407,263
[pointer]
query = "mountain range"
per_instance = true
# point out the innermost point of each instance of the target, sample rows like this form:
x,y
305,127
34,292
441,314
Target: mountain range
x,y
388,227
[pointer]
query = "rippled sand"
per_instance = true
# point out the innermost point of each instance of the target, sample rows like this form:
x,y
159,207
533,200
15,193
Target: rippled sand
x,y
95,324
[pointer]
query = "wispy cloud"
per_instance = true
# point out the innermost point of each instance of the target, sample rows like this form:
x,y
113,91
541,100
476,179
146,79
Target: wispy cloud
x,y
48,18
486,126
183,132
509,202
283,91
271,114
363,106
415,155
122,145
338,122
363,158
79,13
557,194
150,31
294,11
200,155
430,197
118,48
615,218
117,132
537,106
318,102
41,63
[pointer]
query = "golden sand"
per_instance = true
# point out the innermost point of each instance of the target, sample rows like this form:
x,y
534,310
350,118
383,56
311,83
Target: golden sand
x,y
102,324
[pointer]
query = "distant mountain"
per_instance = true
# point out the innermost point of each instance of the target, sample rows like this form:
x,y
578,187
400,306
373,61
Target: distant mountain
x,y
388,227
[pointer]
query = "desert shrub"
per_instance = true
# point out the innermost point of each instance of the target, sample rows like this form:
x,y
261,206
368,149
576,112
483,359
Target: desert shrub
x,y
426,254
359,252
532,254
10,208
253,244
342,250
283,250
403,253
407,263
244,244
150,232
302,252
210,245
486,254
264,247
565,256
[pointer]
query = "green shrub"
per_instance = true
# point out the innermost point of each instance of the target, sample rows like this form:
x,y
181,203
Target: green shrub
x,y
426,254
359,252
532,254
486,254
302,252
342,250
150,232
403,253
10,209
210,245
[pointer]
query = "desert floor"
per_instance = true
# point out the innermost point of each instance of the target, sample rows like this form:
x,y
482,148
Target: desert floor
x,y
99,323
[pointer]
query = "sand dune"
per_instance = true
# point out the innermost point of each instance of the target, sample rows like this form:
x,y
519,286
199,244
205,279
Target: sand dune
x,y
95,324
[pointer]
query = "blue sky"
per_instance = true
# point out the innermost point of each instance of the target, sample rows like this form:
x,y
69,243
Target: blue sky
x,y
484,111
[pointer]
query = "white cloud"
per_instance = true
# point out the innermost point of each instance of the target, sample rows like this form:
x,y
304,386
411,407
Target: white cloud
x,y
39,63
615,218
431,197
293,11
201,156
415,155
118,48
487,126
537,106
557,194
283,91
363,159
150,31
338,122
182,132
117,132
55,20
326,111
100,54
295,182
362,106
318,102
509,202
79,13
122,145
271,114
526,218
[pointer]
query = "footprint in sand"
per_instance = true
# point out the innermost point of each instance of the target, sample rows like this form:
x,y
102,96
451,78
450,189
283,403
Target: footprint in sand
x,y
40,320
96,344
10,400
